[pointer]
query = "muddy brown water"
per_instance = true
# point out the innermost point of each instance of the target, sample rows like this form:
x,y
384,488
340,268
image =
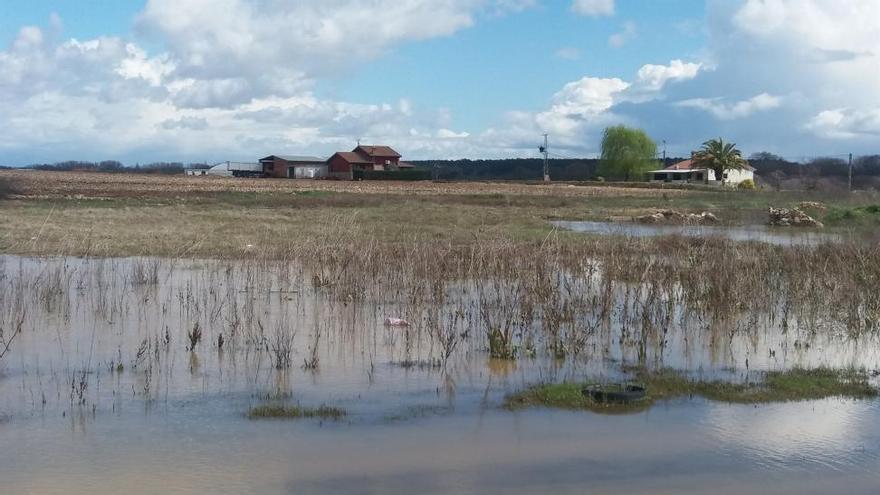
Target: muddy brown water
x,y
173,420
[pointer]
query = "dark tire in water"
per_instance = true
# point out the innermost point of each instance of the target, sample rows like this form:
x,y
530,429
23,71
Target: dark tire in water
x,y
615,394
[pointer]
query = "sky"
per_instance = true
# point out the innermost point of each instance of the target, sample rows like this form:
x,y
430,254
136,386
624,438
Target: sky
x,y
212,80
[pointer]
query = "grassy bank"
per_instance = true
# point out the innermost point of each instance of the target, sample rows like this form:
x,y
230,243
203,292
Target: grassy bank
x,y
776,386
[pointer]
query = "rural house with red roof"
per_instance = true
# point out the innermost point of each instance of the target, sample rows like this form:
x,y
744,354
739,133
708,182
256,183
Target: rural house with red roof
x,y
686,172
364,157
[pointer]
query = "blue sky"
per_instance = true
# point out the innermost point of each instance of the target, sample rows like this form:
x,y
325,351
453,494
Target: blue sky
x,y
236,79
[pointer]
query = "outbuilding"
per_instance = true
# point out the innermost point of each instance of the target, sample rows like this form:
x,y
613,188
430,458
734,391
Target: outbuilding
x,y
294,167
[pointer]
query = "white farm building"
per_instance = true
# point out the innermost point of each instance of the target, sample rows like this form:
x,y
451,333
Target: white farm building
x,y
685,172
229,169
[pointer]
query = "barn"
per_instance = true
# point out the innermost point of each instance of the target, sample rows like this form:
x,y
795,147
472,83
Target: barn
x,y
294,167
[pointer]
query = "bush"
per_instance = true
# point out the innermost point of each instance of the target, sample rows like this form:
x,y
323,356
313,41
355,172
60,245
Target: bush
x,y
5,188
413,174
746,185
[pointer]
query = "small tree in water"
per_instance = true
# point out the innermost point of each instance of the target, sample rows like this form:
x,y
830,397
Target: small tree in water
x,y
720,157
627,153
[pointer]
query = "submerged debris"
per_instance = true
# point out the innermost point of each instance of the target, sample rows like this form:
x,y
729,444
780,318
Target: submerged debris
x,y
675,217
812,205
794,217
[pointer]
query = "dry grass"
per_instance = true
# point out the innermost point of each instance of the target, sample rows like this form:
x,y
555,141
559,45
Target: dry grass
x,y
43,184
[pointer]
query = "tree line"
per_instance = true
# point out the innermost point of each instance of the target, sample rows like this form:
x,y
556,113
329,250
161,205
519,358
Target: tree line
x,y
113,166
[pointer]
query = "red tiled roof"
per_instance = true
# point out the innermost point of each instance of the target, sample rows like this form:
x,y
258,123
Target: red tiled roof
x,y
380,151
689,165
685,165
353,157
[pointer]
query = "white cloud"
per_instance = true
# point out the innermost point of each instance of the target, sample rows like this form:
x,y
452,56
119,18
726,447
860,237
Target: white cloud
x,y
593,7
241,76
731,111
448,134
139,65
845,123
654,77
627,33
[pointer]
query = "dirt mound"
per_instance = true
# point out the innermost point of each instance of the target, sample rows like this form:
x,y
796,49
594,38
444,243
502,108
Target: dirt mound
x,y
676,217
794,217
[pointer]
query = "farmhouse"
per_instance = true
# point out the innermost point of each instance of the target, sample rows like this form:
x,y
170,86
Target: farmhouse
x,y
343,164
294,167
686,172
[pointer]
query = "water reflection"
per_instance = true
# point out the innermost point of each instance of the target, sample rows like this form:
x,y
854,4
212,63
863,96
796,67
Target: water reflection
x,y
757,233
108,390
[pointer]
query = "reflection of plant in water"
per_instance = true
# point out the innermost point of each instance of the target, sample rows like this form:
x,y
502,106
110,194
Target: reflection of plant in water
x,y
282,345
79,382
6,338
194,336
311,362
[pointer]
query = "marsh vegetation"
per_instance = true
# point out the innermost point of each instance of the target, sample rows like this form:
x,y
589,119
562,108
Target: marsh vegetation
x,y
140,313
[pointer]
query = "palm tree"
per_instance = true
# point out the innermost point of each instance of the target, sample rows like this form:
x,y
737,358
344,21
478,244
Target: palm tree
x,y
720,157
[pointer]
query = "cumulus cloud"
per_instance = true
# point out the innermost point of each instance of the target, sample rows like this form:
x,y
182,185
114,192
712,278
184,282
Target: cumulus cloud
x,y
236,68
581,109
654,77
593,8
737,110
235,77
846,123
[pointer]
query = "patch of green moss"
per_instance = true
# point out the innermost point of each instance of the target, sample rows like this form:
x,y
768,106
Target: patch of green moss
x,y
284,411
775,386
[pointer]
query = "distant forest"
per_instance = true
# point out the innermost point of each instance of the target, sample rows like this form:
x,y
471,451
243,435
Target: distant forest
x,y
113,166
770,167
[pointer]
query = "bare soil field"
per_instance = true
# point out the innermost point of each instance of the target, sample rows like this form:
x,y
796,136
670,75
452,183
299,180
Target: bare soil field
x,y
40,184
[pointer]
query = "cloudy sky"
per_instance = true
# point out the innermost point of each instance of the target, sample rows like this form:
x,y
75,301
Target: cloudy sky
x,y
211,80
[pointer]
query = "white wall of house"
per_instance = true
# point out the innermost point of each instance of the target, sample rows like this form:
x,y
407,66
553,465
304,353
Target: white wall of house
x,y
734,177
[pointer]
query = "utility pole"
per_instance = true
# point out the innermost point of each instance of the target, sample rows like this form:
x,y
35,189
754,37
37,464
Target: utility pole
x,y
664,152
850,172
544,149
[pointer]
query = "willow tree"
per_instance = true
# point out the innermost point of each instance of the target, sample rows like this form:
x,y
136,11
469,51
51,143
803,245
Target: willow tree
x,y
627,153
719,156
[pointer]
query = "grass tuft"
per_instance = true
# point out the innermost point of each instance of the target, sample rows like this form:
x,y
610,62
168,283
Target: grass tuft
x,y
776,386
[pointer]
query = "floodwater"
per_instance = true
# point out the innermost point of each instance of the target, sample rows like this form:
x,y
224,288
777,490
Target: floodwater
x,y
102,394
756,233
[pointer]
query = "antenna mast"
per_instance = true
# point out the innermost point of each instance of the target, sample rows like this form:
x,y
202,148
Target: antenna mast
x,y
545,151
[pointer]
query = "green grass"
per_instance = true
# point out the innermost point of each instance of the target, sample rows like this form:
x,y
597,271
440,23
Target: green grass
x,y
284,411
856,216
776,386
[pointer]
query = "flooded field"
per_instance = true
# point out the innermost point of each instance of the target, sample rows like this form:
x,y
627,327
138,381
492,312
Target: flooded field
x,y
757,233
142,373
